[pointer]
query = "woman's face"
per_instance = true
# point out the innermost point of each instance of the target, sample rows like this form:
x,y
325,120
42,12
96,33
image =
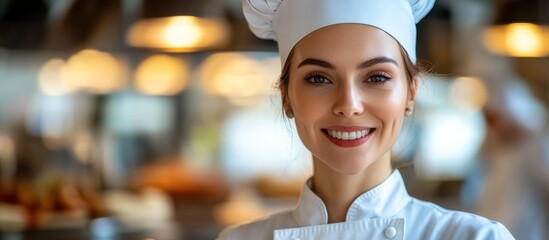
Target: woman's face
x,y
348,91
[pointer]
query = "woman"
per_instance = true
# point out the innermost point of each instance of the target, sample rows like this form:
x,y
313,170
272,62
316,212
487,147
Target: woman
x,y
349,79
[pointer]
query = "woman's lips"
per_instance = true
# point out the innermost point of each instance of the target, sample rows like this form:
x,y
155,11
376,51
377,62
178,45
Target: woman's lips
x,y
348,136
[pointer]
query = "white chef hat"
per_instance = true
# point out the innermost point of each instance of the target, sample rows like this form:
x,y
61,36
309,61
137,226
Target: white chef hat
x,y
288,21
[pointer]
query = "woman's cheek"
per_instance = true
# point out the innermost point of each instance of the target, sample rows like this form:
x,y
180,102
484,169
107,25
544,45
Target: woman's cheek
x,y
307,105
387,103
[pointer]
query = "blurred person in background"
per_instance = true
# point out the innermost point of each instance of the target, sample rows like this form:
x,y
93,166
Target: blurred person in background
x,y
514,186
348,81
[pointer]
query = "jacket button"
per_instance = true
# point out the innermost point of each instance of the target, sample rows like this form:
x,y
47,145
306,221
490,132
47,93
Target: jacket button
x,y
390,232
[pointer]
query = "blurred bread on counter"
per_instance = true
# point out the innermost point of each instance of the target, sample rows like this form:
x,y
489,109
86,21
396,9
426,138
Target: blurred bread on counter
x,y
241,206
173,176
49,201
273,186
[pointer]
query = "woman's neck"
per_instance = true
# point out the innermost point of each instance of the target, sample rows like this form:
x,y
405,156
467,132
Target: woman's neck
x,y
338,191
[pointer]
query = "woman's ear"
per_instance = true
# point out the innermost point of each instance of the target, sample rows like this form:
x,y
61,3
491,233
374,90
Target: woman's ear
x,y
411,99
286,107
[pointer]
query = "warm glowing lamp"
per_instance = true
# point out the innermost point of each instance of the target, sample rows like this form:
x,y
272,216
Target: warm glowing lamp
x,y
95,71
178,33
518,40
240,78
179,26
162,75
521,29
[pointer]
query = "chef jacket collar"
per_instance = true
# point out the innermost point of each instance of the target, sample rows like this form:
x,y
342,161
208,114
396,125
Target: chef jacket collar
x,y
383,201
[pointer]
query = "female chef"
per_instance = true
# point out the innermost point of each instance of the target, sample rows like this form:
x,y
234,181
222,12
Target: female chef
x,y
349,79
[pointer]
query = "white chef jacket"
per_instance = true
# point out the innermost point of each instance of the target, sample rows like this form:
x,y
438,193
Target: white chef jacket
x,y
384,212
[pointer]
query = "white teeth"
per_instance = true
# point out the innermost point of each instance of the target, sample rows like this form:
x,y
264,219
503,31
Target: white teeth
x,y
352,135
348,135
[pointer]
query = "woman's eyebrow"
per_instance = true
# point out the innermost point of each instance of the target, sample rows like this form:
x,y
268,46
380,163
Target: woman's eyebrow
x,y
366,64
377,60
317,62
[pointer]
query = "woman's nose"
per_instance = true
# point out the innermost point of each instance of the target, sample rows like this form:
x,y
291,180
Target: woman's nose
x,y
348,101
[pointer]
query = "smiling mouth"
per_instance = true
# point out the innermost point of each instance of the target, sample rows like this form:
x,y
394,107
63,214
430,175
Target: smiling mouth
x,y
348,135
349,138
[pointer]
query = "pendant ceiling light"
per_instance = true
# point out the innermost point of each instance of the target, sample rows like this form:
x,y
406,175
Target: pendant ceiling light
x,y
162,75
180,26
521,29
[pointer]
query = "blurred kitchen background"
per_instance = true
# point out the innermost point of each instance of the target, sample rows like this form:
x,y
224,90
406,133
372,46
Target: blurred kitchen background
x,y
143,119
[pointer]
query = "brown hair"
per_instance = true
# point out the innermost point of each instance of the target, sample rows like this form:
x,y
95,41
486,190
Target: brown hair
x,y
412,70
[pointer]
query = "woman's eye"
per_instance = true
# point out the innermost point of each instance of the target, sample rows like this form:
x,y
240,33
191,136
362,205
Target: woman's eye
x,y
378,78
317,79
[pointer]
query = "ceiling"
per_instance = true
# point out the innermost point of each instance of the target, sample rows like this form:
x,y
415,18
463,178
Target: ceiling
x,y
75,24
71,25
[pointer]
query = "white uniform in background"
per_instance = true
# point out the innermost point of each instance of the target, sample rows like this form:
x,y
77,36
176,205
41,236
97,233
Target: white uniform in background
x,y
516,187
516,191
384,212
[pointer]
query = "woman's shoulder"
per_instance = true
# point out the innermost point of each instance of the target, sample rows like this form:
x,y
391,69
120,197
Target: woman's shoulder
x,y
258,229
455,224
